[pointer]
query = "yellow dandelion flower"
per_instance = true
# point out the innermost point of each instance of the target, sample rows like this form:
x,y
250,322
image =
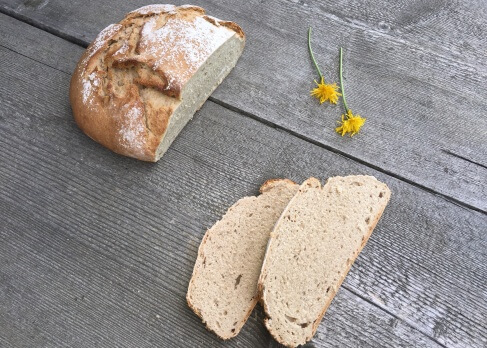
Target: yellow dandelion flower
x,y
350,123
326,92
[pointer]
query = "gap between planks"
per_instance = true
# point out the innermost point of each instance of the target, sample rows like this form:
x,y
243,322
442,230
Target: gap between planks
x,y
356,159
35,60
383,308
39,25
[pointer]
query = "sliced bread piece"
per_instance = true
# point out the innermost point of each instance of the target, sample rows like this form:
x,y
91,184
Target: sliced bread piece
x,y
311,249
223,289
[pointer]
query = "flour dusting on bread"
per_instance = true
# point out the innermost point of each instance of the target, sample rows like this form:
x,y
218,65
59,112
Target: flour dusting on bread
x,y
132,129
90,83
191,43
156,8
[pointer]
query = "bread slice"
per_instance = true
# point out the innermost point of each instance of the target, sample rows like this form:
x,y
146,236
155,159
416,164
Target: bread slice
x,y
141,80
311,250
223,289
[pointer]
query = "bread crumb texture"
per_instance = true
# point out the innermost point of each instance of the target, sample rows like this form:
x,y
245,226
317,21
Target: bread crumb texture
x,y
312,248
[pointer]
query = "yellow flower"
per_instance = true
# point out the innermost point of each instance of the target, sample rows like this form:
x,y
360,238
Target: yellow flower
x,y
326,92
351,125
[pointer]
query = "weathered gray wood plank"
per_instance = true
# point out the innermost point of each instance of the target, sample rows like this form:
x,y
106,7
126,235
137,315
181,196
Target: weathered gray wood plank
x,y
416,70
96,246
447,28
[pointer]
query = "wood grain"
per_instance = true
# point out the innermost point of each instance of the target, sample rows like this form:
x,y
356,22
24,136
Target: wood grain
x,y
97,249
414,69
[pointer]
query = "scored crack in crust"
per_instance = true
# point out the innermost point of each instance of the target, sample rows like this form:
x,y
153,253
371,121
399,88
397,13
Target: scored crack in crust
x,y
130,80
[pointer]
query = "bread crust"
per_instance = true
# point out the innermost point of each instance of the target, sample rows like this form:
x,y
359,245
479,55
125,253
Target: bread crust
x,y
269,184
108,87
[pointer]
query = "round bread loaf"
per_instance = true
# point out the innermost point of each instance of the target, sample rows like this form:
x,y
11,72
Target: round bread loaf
x,y
141,80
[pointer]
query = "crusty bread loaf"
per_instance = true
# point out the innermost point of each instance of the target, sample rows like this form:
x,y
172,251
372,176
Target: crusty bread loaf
x,y
141,80
311,249
223,289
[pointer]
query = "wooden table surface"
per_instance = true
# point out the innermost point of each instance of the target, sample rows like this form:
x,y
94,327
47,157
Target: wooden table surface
x,y
96,250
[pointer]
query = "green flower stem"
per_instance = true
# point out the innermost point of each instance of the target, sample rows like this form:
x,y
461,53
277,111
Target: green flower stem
x,y
312,55
341,80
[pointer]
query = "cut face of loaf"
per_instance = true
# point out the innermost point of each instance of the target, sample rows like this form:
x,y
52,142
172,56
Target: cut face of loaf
x,y
311,249
141,80
223,289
